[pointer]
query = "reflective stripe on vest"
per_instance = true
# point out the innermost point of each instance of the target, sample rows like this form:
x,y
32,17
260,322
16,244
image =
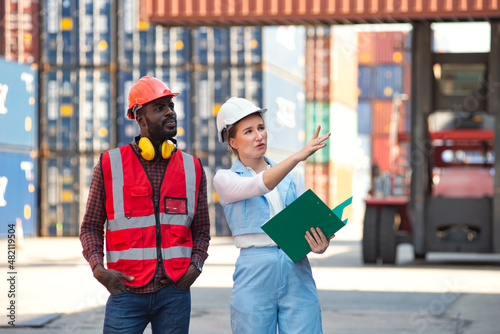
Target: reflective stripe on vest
x,y
149,254
123,222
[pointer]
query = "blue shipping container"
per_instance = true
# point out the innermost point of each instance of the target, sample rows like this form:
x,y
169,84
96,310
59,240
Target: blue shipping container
x,y
143,44
60,197
60,32
388,80
213,88
18,105
18,188
284,48
245,45
95,32
211,45
60,111
177,79
285,118
365,82
364,117
76,111
94,111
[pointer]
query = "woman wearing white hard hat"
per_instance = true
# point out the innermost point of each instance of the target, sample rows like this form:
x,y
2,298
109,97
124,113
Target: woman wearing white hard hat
x,y
269,291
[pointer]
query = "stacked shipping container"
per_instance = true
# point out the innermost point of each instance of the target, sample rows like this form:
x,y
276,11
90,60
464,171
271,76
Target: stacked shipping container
x,y
18,148
91,57
19,34
383,73
331,72
77,105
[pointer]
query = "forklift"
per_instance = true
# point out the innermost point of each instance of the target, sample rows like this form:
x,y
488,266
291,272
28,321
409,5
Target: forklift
x,y
450,203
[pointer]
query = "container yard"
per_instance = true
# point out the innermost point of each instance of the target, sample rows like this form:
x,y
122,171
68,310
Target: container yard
x,y
19,184
88,58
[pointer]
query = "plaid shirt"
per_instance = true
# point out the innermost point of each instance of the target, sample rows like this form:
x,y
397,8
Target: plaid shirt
x,y
92,229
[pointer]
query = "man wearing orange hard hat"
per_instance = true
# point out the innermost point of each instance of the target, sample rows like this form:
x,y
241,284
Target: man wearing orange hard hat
x,y
154,199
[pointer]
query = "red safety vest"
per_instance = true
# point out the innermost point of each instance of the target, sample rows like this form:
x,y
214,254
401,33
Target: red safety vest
x,y
132,228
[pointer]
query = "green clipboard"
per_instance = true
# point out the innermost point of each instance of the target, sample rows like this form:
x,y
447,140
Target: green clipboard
x,y
288,228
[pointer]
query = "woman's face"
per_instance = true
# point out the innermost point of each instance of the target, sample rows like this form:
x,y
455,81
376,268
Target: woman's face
x,y
251,137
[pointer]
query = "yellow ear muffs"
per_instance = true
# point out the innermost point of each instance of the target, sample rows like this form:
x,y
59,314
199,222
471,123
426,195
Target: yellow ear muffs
x,y
148,151
147,148
167,148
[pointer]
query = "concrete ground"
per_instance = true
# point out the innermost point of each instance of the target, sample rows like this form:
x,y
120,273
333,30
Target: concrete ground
x,y
447,293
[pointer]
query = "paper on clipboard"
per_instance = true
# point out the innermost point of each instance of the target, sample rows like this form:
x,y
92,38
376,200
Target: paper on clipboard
x,y
288,228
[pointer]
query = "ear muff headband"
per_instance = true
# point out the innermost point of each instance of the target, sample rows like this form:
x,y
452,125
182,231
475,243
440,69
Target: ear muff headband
x,y
148,151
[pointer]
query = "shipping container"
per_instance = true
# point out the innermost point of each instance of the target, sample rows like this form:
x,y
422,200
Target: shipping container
x,y
141,43
389,47
331,70
64,191
317,178
18,105
213,88
18,193
96,28
388,80
245,45
19,34
364,116
382,113
60,33
318,66
366,47
75,113
365,82
381,152
177,79
95,131
285,116
211,46
284,49
318,114
261,12
343,125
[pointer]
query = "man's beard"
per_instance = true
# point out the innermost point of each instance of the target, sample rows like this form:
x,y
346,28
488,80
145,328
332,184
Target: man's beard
x,y
158,134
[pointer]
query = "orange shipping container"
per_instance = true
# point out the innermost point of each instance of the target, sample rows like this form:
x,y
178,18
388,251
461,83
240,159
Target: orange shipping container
x,y
318,68
381,117
318,180
19,31
389,47
366,48
381,152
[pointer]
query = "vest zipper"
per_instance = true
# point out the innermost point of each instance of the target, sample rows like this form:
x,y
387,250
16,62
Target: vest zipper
x,y
158,230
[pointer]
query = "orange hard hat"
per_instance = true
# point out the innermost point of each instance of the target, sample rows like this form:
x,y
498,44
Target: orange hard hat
x,y
145,90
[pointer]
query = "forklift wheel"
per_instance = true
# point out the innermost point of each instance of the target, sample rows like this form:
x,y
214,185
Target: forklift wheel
x,y
387,236
370,235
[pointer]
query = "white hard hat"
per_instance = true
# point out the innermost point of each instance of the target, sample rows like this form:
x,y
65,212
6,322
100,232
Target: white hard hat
x,y
231,112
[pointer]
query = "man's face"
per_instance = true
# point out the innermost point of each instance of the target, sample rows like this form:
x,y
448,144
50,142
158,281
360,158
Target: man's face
x,y
159,119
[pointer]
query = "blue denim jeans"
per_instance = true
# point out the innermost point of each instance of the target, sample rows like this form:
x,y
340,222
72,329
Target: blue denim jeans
x,y
168,310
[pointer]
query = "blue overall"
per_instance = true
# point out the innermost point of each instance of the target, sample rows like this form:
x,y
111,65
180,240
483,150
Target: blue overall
x,y
269,290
